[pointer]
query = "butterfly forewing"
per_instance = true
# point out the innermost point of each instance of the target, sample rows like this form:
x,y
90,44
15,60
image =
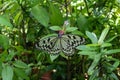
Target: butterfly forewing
x,y
48,44
74,40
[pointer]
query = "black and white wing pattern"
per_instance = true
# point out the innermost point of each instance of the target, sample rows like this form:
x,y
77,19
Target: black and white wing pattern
x,y
65,43
71,41
49,45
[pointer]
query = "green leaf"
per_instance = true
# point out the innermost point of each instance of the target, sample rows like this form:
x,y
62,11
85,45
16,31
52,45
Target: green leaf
x,y
0,67
106,45
53,57
4,41
55,28
93,76
92,37
41,15
70,29
7,73
103,35
5,21
87,52
56,18
111,67
49,35
112,51
78,33
113,76
21,73
63,55
93,45
10,55
94,64
20,64
18,18
112,38
86,48
116,64
82,23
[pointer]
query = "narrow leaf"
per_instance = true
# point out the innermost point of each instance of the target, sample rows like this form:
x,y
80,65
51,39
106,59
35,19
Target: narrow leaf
x,y
94,64
92,77
92,37
114,76
112,51
103,35
112,38
116,64
87,53
86,48
106,45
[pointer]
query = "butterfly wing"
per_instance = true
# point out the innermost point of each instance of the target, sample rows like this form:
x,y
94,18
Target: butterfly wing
x,y
65,47
74,40
65,43
49,44
69,42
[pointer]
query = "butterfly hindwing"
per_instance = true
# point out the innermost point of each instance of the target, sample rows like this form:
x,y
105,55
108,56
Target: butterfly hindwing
x,y
56,47
65,47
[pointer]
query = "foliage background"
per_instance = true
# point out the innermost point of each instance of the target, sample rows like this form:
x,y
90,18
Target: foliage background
x,y
22,22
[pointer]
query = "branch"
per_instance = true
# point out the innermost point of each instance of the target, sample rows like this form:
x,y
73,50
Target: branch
x,y
87,7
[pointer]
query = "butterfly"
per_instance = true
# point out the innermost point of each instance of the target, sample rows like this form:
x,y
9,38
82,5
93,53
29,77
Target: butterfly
x,y
65,43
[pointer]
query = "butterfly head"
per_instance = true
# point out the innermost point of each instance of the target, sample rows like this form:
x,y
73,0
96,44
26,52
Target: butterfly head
x,y
61,32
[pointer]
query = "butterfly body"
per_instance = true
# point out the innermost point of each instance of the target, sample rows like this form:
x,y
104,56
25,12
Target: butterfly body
x,y
65,43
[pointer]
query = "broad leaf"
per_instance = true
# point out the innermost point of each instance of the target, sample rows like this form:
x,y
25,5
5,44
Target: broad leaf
x,y
5,21
20,64
7,73
56,17
21,73
55,28
70,29
41,15
4,41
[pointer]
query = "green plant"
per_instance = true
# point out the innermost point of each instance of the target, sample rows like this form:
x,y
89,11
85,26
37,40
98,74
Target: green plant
x,y
22,22
103,66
